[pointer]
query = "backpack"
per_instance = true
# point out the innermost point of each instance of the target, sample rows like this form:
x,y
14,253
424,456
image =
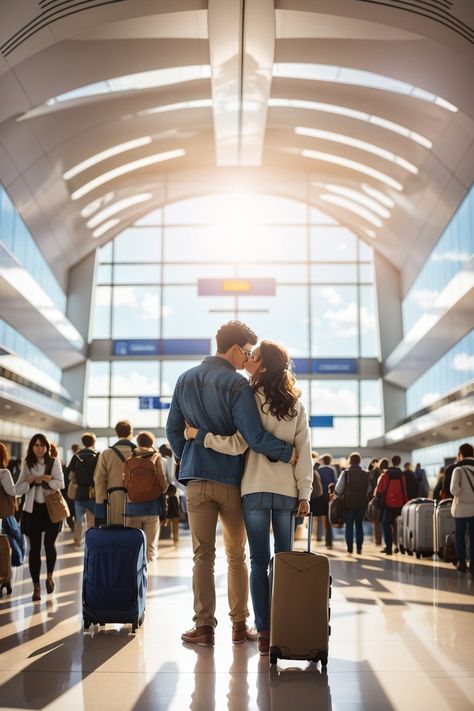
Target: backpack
x,y
395,492
84,468
140,478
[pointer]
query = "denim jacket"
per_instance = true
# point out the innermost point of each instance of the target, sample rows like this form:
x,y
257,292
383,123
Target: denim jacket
x,y
215,398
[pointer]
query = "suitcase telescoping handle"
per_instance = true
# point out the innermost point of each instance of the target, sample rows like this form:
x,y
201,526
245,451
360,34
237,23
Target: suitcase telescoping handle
x,y
293,529
107,505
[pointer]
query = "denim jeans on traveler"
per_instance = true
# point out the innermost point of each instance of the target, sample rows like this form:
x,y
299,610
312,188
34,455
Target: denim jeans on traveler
x,y
261,509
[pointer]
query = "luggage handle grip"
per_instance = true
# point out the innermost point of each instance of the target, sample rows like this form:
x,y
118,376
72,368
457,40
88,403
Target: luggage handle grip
x,y
107,504
293,529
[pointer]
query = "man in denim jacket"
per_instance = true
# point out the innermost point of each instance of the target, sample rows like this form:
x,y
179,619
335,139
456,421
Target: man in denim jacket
x,y
215,398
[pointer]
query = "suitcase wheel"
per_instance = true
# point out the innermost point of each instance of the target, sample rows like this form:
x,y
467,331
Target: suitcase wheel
x,y
135,625
141,620
273,658
441,553
418,555
6,585
87,623
324,662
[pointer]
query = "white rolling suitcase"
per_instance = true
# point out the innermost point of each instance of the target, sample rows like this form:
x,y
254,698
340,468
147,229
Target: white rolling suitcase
x,y
443,525
417,521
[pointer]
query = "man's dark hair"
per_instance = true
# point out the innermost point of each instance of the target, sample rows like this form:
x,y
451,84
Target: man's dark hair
x,y
123,428
396,460
354,459
165,450
88,439
467,450
234,333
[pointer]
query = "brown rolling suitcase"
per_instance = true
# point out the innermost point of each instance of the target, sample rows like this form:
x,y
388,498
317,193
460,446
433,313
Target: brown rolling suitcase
x,y
5,565
300,586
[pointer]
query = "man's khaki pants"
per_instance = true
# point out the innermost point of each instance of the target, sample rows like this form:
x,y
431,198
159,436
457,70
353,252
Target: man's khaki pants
x,y
150,525
205,502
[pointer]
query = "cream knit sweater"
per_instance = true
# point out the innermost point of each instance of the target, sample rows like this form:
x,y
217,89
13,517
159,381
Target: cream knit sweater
x,y
260,473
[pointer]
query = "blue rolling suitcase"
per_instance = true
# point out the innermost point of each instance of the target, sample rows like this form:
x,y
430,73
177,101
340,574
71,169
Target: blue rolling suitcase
x,y
115,574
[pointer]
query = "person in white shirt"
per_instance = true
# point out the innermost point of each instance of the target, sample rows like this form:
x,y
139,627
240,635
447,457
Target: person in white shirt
x,y
270,490
40,475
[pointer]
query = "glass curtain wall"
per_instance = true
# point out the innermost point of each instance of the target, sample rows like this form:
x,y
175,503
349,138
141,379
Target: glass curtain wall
x,y
453,250
323,303
454,369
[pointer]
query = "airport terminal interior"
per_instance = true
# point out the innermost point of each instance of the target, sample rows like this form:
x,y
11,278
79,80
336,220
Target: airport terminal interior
x,y
303,166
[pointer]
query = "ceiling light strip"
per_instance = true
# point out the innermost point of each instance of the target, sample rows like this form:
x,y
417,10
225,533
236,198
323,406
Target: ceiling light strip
x,y
378,195
105,227
364,200
126,168
353,165
103,155
118,207
356,143
352,207
351,113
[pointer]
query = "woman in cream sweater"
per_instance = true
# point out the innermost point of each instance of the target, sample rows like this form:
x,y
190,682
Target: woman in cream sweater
x,y
270,490
40,475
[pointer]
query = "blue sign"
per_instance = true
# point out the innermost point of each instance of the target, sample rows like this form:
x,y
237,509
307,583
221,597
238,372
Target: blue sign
x,y
325,366
152,402
321,421
162,347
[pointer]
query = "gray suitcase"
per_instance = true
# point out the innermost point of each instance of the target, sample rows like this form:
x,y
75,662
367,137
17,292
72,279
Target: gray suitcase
x,y
417,523
300,588
443,525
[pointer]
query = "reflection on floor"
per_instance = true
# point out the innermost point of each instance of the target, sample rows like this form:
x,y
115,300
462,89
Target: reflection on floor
x,y
402,638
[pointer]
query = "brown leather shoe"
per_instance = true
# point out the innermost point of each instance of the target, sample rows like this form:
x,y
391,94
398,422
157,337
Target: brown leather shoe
x,y
203,636
239,632
36,592
263,643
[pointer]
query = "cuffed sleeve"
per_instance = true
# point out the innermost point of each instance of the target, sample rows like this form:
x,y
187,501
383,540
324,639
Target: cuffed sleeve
x,y
200,438
226,444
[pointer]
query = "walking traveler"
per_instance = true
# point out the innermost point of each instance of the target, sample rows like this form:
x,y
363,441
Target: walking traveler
x,y
40,476
462,508
354,486
109,473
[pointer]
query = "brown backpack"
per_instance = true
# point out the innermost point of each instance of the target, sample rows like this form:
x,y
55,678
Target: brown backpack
x,y
140,478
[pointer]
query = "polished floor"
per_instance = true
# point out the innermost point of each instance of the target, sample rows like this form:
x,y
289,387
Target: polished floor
x,y
402,638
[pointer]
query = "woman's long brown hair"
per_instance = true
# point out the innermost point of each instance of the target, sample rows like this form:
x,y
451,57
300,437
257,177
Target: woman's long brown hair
x,y
3,456
277,382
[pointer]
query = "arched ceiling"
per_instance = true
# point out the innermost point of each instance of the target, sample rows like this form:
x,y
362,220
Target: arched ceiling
x,y
109,109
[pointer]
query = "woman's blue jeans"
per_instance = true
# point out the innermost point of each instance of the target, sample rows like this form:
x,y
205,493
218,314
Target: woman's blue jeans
x,y
260,510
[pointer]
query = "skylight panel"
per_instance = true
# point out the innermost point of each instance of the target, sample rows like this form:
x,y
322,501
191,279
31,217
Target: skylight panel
x,y
356,77
140,80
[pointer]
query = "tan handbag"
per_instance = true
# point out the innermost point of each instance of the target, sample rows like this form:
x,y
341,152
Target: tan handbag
x,y
72,490
58,509
7,503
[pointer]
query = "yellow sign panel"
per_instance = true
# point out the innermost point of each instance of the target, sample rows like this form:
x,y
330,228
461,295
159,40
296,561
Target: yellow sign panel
x,y
241,285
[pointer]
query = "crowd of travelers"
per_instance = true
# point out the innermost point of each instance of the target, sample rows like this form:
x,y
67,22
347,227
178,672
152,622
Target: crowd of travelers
x,y
240,449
